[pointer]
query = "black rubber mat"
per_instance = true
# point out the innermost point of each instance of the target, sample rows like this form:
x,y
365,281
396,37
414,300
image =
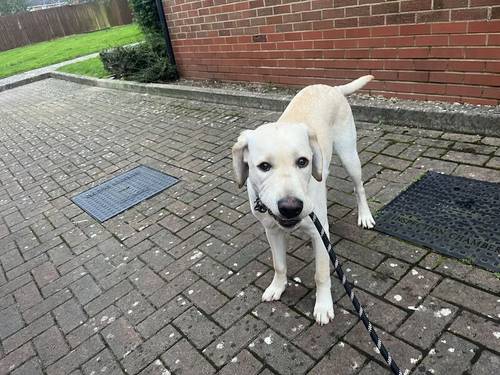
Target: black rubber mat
x,y
455,216
122,192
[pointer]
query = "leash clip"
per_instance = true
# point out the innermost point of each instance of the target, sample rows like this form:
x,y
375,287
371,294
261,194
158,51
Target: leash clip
x,y
259,206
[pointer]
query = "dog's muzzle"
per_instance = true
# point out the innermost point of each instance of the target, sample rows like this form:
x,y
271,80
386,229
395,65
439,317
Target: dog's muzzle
x,y
284,222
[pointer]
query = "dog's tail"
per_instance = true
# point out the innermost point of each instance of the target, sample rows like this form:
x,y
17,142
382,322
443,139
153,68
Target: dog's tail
x,y
355,85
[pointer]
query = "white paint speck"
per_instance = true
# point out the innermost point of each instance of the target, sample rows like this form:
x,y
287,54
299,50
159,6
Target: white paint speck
x,y
297,279
451,350
442,312
397,297
497,335
220,345
268,340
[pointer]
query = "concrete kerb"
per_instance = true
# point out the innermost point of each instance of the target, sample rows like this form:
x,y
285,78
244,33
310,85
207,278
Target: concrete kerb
x,y
24,81
421,115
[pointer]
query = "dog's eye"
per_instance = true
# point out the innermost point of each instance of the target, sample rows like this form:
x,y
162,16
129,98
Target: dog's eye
x,y
264,167
302,162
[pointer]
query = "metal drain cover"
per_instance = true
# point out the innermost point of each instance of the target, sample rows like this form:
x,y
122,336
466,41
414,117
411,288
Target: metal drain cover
x,y
455,216
122,192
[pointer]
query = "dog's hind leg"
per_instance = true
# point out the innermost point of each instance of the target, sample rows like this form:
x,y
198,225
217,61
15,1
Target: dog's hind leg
x,y
278,242
345,147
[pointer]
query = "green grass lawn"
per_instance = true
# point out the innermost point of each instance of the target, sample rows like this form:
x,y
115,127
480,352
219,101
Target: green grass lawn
x,y
38,55
91,67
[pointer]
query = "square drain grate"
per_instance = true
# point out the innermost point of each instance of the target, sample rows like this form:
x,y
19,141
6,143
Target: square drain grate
x,y
455,216
122,192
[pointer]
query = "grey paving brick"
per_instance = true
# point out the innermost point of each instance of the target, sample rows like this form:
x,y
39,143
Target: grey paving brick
x,y
28,296
366,279
183,358
205,297
359,254
173,288
451,355
121,337
26,266
62,282
282,356
477,329
235,281
381,313
32,367
155,368
342,358
464,295
76,357
243,362
92,326
46,305
463,157
27,333
405,355
122,271
11,321
85,289
102,363
317,339
180,265
487,364
394,268
69,315
188,245
427,322
16,358
164,315
233,340
135,307
478,173
240,305
150,349
156,259
282,319
413,288
50,345
108,297
45,274
146,281
195,325
211,271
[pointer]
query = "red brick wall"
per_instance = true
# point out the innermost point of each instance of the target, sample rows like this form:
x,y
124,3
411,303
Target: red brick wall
x,y
421,49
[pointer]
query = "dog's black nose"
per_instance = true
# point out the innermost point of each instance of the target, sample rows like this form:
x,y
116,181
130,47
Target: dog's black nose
x,y
290,207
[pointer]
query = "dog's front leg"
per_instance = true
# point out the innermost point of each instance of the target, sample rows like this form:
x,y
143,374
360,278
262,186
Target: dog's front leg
x,y
323,308
277,241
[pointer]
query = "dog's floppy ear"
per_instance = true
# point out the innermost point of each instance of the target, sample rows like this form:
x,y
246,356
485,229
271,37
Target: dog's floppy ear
x,y
240,165
317,159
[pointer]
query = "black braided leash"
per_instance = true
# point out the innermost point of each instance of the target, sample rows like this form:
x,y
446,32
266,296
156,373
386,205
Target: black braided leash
x,y
261,207
350,292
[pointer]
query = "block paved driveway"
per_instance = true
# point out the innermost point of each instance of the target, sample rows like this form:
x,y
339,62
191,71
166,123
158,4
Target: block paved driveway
x,y
174,284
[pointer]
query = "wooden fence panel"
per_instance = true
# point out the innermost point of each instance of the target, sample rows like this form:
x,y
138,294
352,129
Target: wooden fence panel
x,y
33,27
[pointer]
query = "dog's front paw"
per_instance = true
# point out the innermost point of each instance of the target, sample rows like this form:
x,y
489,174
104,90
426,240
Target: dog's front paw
x,y
323,309
274,291
366,220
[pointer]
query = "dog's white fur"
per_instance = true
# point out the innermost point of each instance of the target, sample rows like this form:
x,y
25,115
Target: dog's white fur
x,y
317,118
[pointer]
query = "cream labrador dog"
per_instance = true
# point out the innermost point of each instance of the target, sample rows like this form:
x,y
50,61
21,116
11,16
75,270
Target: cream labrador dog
x,y
285,165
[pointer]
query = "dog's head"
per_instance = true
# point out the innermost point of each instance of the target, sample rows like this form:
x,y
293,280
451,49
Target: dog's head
x,y
279,160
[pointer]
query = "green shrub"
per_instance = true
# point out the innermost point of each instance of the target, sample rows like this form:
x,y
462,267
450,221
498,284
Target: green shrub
x,y
146,15
145,62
